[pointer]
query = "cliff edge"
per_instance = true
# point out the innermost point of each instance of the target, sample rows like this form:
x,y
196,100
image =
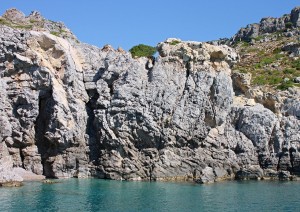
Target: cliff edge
x,y
69,109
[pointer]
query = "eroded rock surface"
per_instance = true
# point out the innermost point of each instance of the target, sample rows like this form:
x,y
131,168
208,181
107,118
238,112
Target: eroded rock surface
x,y
269,25
69,109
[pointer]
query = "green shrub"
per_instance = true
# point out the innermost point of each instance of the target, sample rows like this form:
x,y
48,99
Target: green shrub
x,y
257,66
58,34
288,25
245,44
3,21
142,50
271,77
274,80
258,38
23,26
277,50
267,60
174,42
55,33
289,71
285,85
260,80
296,64
33,21
10,24
278,56
252,50
242,70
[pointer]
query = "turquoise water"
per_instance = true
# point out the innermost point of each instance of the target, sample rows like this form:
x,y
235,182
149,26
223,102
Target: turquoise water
x,y
103,195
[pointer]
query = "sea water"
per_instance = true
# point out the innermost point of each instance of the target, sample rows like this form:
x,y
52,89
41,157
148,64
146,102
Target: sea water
x,y
104,195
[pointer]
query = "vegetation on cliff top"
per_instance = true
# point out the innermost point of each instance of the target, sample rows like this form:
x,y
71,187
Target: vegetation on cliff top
x,y
15,25
269,61
142,50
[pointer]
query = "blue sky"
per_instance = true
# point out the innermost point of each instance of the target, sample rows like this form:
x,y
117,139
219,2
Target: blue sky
x,y
128,23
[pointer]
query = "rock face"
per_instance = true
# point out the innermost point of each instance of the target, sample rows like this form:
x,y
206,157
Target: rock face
x,y
36,22
269,25
69,109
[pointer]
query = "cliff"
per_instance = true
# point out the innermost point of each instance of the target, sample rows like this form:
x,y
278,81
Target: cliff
x,y
269,25
69,109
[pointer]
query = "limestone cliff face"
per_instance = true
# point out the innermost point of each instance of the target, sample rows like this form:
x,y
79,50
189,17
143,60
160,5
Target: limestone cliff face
x,y
69,109
269,25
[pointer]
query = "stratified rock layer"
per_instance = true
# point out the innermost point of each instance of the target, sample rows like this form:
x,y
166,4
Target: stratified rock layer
x,y
69,109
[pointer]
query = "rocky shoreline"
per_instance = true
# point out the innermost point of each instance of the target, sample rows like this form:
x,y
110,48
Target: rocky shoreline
x,y
69,109
283,176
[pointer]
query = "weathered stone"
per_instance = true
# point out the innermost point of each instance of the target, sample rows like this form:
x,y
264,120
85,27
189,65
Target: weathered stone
x,y
284,175
207,176
14,15
69,109
267,25
297,80
295,16
241,82
292,49
253,172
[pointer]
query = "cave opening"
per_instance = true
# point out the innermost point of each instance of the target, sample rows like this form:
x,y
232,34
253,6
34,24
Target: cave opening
x,y
93,141
45,148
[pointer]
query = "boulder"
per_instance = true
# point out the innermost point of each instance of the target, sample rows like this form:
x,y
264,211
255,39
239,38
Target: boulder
x,y
14,15
251,173
295,16
207,176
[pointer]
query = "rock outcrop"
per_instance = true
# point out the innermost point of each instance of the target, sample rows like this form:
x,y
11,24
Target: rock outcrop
x,y
269,25
69,109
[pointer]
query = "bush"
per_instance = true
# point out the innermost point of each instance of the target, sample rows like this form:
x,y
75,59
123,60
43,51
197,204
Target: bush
x,y
289,71
245,44
277,50
274,80
258,38
258,65
174,42
11,24
260,80
142,50
267,60
278,56
23,26
296,64
271,77
3,22
288,25
285,85
55,33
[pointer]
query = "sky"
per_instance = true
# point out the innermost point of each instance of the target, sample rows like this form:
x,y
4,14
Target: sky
x,y
124,24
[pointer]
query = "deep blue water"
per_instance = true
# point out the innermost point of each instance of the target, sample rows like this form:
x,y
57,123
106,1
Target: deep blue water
x,y
103,195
